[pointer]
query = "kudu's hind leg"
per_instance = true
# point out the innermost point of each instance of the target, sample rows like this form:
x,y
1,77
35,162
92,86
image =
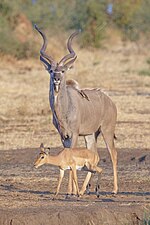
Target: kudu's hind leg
x,y
99,171
90,142
86,181
109,140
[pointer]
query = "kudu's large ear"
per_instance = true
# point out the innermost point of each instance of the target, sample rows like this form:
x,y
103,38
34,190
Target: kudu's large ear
x,y
69,65
47,151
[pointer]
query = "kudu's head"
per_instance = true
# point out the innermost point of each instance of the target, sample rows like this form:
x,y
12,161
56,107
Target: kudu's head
x,y
42,159
57,70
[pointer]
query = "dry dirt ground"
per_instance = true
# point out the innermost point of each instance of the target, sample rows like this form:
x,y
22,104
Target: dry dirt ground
x,y
25,121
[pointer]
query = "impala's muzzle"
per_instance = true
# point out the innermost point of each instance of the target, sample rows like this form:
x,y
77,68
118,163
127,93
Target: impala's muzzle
x,y
36,166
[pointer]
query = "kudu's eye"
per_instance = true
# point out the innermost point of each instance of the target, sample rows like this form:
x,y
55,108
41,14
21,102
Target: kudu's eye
x,y
51,71
62,71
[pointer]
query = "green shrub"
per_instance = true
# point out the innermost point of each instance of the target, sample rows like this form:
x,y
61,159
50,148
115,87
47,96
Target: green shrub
x,y
90,17
144,72
56,16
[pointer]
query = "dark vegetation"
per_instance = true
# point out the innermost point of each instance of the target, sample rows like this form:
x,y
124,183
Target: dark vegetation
x,y
93,17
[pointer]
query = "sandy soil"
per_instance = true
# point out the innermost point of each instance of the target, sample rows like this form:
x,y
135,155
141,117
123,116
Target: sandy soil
x,y
25,121
26,193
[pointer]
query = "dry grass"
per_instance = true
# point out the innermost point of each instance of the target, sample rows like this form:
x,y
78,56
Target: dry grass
x,y
25,118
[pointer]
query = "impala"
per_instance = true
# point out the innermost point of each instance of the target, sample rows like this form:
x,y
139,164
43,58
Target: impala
x,y
72,159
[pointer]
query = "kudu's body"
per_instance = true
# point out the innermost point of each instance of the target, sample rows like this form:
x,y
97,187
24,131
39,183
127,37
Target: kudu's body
x,y
72,159
86,112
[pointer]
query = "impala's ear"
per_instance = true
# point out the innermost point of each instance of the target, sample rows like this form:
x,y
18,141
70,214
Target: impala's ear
x,y
47,151
42,147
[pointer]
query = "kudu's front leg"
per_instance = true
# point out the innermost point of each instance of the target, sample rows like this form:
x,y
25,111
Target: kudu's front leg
x,y
71,185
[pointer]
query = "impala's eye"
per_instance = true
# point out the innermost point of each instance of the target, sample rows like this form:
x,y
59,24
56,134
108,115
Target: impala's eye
x,y
42,157
62,71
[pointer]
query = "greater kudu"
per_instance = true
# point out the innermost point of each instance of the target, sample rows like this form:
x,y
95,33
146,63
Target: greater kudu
x,y
86,112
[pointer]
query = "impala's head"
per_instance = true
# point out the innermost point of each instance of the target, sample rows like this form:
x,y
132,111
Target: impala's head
x,y
42,158
57,70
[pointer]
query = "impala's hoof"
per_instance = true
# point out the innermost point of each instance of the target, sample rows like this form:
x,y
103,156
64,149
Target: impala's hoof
x,y
67,196
78,197
115,192
88,189
81,193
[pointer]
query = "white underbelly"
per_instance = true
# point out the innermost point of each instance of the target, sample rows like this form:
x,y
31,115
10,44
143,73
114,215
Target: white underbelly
x,y
77,168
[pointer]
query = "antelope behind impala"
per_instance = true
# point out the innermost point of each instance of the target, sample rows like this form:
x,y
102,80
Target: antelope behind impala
x,y
86,112
73,159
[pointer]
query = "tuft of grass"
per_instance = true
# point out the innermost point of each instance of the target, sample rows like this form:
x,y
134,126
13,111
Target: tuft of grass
x,y
146,219
144,72
148,61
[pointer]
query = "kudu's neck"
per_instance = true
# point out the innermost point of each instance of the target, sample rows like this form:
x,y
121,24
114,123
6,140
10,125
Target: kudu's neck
x,y
63,90
62,98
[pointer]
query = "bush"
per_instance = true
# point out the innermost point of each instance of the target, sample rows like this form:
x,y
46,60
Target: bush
x,y
90,17
132,17
9,43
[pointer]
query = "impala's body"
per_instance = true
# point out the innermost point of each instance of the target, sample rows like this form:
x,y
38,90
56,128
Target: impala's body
x,y
72,159
79,112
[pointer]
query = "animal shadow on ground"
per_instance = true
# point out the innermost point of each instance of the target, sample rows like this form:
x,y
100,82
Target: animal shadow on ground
x,y
103,196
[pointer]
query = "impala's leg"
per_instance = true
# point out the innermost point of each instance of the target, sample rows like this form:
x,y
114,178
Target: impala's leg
x,y
90,142
59,182
73,145
86,181
72,185
96,168
109,140
75,179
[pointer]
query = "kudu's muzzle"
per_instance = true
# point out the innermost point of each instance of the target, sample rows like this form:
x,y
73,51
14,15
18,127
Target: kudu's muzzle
x,y
56,85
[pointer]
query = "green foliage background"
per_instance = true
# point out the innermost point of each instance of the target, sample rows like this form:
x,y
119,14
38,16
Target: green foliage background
x,y
131,17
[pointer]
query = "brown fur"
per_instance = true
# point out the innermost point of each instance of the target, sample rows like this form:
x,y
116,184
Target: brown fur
x,y
71,158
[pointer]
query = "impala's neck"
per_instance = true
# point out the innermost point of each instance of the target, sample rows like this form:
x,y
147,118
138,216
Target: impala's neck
x,y
53,160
